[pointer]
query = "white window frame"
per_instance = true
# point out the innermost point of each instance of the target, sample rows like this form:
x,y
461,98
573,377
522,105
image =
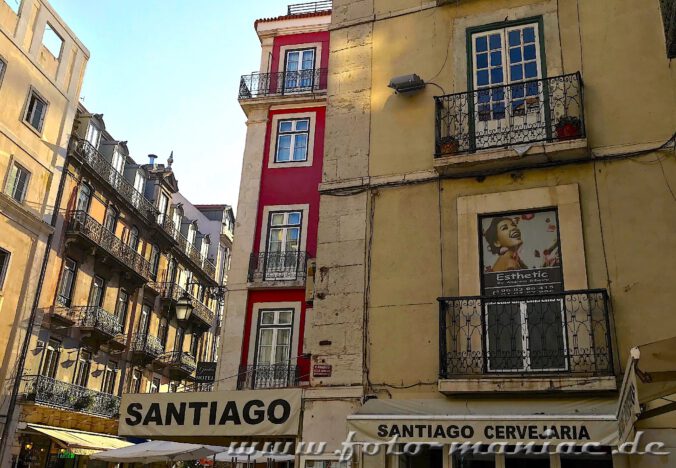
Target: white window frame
x,y
4,265
71,287
32,93
154,385
15,169
274,139
3,66
84,362
109,380
136,377
51,359
294,135
296,309
93,131
304,208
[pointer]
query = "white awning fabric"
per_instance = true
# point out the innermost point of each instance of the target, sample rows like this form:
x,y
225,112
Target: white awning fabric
x,y
446,421
158,451
655,366
80,442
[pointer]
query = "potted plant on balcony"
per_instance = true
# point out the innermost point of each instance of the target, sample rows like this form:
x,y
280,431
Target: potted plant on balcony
x,y
568,127
82,402
111,407
448,145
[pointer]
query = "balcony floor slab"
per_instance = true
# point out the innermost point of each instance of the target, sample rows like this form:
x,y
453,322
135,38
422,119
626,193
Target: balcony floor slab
x,y
549,384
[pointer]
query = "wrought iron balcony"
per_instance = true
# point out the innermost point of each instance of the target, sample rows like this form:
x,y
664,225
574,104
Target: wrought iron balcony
x,y
277,266
262,376
179,364
146,347
171,292
194,256
80,223
288,83
559,333
46,391
202,314
98,321
87,154
546,110
309,7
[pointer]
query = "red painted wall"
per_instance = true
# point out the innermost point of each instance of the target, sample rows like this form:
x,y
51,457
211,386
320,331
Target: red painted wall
x,y
299,40
293,185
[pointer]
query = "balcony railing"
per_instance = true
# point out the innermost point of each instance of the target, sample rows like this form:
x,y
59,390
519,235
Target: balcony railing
x,y
173,292
262,376
89,155
277,266
558,333
203,313
195,256
309,7
181,361
46,391
99,320
145,343
80,222
288,83
546,110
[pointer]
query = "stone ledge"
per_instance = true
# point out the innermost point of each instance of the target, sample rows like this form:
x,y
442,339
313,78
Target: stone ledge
x,y
322,393
527,384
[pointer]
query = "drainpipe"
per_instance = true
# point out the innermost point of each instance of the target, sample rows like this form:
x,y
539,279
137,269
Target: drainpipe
x,y
4,442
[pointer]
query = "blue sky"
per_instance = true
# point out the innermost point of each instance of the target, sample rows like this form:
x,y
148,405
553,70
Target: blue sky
x,y
165,74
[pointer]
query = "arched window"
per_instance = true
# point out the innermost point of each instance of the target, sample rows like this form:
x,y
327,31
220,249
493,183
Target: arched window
x,y
110,222
163,332
84,198
133,238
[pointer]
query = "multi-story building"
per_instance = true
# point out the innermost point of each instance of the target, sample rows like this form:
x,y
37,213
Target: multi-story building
x,y
42,64
268,296
129,301
483,272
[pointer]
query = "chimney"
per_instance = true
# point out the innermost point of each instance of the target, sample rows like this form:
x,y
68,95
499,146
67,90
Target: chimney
x,y
151,159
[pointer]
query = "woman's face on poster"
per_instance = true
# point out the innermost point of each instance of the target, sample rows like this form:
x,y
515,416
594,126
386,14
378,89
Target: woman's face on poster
x,y
508,234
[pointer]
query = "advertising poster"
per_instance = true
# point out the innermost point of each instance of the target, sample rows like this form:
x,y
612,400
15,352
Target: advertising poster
x,y
520,253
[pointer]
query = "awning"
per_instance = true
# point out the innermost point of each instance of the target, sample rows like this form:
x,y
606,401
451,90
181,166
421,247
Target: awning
x,y
446,421
80,442
159,451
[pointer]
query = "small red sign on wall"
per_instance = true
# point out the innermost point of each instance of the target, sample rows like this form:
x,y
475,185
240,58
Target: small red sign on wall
x,y
322,370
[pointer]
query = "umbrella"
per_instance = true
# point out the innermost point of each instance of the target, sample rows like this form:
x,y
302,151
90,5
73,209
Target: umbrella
x,y
158,451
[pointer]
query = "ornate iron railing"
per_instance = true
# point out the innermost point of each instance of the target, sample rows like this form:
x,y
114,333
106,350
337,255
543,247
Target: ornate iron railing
x,y
99,319
194,255
148,344
180,360
173,291
88,154
203,313
277,266
309,7
287,83
558,333
261,376
547,110
668,8
80,222
65,312
46,391
170,290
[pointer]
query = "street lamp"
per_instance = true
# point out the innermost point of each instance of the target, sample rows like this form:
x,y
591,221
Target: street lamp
x,y
184,307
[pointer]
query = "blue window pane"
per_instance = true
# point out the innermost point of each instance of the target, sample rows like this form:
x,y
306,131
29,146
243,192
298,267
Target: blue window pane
x,y
496,76
498,94
516,72
481,44
529,52
283,154
518,107
285,126
284,148
531,70
482,61
483,96
532,88
484,112
514,38
517,91
300,148
515,55
496,59
482,77
302,125
499,110
529,35
495,41
294,218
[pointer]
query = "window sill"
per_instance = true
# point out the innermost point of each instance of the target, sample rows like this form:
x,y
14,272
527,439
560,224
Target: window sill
x,y
485,161
535,384
290,284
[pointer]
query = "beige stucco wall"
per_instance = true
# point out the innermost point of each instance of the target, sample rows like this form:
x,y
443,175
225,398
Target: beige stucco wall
x,y
415,235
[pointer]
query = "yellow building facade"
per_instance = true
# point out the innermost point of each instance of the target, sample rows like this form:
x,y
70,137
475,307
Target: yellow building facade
x,y
495,231
128,251
42,64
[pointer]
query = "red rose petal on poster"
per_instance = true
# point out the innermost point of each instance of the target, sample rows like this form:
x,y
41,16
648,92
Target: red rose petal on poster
x,y
551,228
528,216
